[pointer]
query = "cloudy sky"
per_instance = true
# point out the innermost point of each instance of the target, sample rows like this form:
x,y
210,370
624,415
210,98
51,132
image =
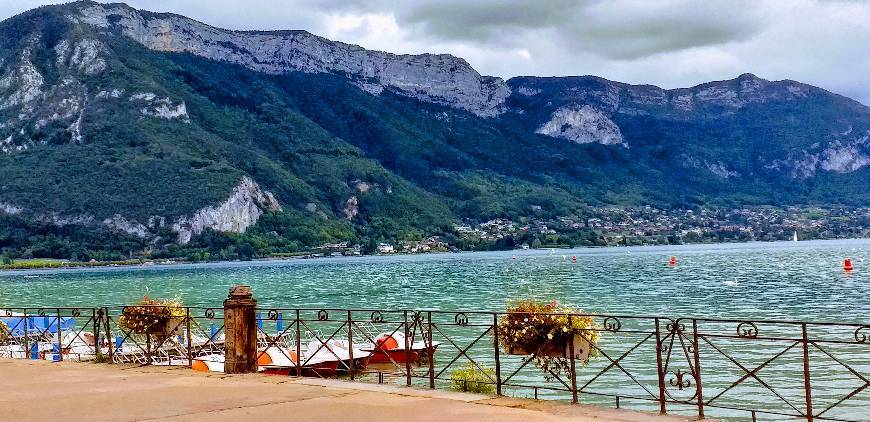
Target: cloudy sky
x,y
670,43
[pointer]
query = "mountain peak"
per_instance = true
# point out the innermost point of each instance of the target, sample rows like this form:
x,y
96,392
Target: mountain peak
x,y
441,78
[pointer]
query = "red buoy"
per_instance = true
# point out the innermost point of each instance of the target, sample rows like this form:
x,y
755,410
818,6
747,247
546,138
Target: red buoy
x,y
847,264
574,258
673,261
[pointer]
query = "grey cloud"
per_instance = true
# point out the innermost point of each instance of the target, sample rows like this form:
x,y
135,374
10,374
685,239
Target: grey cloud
x,y
620,29
629,33
490,21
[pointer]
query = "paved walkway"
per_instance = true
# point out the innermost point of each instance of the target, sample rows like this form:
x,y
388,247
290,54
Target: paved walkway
x,y
39,391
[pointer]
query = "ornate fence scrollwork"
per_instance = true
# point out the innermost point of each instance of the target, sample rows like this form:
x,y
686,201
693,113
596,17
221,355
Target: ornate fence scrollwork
x,y
209,313
272,315
747,329
322,315
612,324
377,316
675,327
678,380
461,319
862,334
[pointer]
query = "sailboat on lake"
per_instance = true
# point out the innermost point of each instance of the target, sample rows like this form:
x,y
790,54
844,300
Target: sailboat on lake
x,y
794,237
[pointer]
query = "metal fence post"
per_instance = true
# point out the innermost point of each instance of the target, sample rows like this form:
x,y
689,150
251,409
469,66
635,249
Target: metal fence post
x,y
350,342
189,340
430,353
148,348
660,370
407,353
59,356
298,359
497,352
94,313
106,325
26,335
573,364
807,387
698,369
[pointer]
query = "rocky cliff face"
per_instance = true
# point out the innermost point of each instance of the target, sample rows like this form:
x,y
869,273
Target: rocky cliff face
x,y
241,210
438,78
712,98
29,103
235,215
582,125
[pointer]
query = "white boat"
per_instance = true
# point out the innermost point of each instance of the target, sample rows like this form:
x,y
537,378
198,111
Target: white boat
x,y
794,237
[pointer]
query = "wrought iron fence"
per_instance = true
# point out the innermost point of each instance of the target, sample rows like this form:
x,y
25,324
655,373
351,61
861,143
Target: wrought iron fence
x,y
727,368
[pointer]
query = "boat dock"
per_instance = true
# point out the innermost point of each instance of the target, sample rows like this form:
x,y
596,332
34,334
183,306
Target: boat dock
x,y
72,391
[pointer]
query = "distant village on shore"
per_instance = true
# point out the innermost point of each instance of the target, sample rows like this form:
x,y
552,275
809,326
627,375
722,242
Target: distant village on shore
x,y
621,226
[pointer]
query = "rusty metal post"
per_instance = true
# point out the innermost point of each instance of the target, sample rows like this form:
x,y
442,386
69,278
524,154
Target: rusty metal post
x,y
59,338
407,353
148,349
808,390
97,352
189,340
698,369
430,354
497,354
660,370
298,360
573,364
26,335
350,343
109,339
240,329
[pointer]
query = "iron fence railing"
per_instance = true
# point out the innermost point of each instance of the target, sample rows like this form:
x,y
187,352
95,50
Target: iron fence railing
x,y
725,368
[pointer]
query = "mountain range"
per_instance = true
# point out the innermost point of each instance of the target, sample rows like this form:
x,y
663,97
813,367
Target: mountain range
x,y
156,129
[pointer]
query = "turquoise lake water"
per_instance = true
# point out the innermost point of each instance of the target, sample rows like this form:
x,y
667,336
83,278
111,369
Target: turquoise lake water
x,y
802,280
785,280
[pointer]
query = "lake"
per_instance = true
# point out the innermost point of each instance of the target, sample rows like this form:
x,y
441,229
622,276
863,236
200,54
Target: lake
x,y
784,280
793,280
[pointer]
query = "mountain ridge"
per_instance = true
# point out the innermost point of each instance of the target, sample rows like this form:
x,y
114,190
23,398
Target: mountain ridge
x,y
146,124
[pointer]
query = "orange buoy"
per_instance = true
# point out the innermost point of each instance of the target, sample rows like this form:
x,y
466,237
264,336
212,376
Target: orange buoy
x,y
847,264
673,261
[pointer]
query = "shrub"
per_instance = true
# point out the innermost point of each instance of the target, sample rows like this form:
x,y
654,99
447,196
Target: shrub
x,y
473,380
4,332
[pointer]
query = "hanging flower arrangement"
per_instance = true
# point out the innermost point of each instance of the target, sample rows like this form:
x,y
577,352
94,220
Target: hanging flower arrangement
x,y
548,332
156,317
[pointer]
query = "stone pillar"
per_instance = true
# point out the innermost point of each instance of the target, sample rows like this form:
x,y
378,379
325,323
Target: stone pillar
x,y
240,326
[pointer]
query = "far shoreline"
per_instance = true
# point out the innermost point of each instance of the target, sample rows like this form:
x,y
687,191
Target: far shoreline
x,y
583,250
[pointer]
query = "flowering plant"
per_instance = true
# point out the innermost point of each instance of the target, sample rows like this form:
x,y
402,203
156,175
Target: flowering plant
x,y
152,316
545,330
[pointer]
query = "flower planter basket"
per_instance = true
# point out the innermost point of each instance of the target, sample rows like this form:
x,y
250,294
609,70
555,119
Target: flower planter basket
x,y
548,333
159,319
582,349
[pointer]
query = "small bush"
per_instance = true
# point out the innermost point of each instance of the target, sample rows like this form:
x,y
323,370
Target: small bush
x,y
473,380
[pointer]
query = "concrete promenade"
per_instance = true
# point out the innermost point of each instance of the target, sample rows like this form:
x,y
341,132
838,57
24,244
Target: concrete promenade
x,y
45,391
